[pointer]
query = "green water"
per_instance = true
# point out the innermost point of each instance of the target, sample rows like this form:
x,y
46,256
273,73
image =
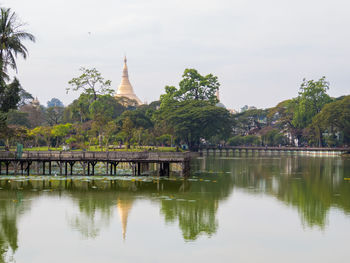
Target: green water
x,y
249,209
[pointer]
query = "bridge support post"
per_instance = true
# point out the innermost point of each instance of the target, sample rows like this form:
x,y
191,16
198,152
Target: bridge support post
x,y
110,168
28,167
164,169
71,163
49,167
7,167
138,168
43,167
65,168
161,172
93,163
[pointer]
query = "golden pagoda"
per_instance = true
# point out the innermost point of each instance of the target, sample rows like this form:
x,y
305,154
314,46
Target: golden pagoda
x,y
125,89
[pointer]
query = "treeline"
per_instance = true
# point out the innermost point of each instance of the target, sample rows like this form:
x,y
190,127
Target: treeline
x,y
188,115
313,118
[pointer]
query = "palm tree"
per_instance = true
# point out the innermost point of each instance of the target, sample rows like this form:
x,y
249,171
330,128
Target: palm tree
x,y
11,35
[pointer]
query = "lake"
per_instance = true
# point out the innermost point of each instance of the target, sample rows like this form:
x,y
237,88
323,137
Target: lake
x,y
233,209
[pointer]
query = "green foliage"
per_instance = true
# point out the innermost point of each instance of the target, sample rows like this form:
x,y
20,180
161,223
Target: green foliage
x,y
236,140
91,82
127,128
42,132
194,120
79,109
282,114
61,131
252,140
11,37
164,139
15,117
9,95
25,98
312,97
105,109
334,119
138,117
54,115
274,138
250,121
193,86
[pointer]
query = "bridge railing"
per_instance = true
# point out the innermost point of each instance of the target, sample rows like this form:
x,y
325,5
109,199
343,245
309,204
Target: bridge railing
x,y
99,156
275,148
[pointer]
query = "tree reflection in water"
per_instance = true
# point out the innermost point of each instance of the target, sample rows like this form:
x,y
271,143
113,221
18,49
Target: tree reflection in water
x,y
12,205
312,185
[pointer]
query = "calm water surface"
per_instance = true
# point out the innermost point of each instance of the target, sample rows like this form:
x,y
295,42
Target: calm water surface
x,y
249,209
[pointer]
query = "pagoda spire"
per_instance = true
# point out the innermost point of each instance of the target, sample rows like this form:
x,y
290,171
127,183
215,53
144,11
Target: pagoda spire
x,y
125,89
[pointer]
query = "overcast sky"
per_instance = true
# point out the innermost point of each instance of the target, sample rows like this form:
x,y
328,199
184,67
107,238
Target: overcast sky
x,y
259,49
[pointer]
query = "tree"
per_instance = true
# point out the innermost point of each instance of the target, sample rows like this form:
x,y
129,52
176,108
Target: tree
x,y
105,109
43,132
25,97
54,115
128,129
35,115
138,117
79,109
193,86
9,95
334,119
15,117
11,37
312,97
190,112
197,87
91,82
194,120
60,131
250,121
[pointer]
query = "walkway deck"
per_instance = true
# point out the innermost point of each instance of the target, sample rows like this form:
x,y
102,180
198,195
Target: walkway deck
x,y
138,160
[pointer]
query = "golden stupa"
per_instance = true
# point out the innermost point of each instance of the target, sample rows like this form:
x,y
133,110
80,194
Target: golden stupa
x,y
125,89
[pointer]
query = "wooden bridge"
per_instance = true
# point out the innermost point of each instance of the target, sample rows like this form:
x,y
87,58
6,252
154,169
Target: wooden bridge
x,y
139,161
225,150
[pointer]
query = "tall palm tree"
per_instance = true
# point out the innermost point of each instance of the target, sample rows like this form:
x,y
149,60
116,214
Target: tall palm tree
x,y
11,36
